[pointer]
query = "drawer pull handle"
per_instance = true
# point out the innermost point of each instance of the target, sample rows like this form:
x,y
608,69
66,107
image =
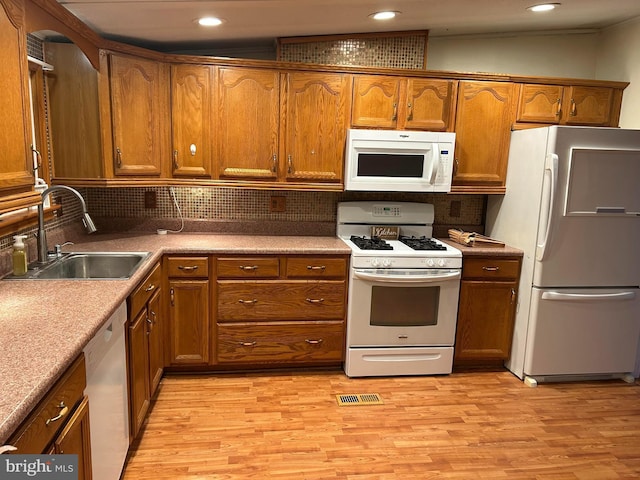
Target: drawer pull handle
x,y
315,267
150,287
248,302
314,300
248,268
248,344
63,411
491,269
313,342
192,268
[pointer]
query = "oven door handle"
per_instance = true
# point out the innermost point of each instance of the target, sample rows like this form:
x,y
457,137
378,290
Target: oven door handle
x,y
377,277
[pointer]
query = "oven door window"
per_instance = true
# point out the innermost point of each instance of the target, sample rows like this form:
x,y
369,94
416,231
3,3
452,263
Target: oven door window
x,y
390,165
404,306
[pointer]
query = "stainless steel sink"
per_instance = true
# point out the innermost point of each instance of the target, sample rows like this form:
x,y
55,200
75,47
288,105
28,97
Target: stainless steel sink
x,y
90,266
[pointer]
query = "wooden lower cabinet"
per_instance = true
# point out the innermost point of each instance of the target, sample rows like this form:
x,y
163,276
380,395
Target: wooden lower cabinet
x,y
60,422
287,342
189,336
486,312
75,438
281,310
145,356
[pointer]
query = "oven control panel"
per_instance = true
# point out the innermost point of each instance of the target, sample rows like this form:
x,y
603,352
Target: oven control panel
x,y
405,262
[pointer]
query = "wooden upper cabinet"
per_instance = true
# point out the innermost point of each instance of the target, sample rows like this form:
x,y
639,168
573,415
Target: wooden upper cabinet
x,y
247,123
73,112
540,103
430,104
568,105
403,103
316,114
139,111
375,101
588,106
16,163
191,126
484,116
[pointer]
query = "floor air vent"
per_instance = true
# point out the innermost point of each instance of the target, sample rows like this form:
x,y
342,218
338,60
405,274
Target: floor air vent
x,y
359,399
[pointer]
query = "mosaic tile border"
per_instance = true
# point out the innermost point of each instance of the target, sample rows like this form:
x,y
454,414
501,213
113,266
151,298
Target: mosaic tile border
x,y
388,50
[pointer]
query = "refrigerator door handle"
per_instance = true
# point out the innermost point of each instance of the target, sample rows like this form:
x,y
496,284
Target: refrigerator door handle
x,y
551,166
585,297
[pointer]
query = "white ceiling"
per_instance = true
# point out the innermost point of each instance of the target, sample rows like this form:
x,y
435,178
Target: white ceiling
x,y
159,22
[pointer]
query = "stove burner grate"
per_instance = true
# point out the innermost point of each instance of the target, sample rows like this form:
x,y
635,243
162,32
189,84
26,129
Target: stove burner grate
x,y
422,243
371,243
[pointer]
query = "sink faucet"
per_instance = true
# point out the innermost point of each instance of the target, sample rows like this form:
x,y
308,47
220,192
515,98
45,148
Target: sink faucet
x,y
42,236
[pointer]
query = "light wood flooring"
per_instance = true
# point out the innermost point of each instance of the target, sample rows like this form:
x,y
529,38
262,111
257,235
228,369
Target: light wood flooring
x,y
480,425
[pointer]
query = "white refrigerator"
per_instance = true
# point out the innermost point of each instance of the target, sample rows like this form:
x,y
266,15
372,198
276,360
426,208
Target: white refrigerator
x,y
573,206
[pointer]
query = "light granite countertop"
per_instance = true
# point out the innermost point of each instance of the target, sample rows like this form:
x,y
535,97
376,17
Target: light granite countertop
x,y
45,324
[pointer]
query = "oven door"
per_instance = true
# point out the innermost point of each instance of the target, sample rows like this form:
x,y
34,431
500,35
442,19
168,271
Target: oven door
x,y
413,307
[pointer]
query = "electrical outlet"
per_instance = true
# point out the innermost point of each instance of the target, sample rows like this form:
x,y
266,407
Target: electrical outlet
x,y
278,204
150,200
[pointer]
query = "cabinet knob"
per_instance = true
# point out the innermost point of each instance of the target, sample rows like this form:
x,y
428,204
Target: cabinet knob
x,y
118,157
248,344
316,267
313,342
175,160
248,268
574,108
395,112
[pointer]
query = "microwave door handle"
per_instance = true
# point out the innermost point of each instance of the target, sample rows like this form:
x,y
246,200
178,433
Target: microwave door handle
x,y
435,163
387,278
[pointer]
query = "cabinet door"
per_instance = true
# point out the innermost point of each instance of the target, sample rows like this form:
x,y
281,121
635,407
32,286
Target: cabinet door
x,y
189,322
191,102
485,320
429,104
375,101
540,103
75,438
587,106
139,101
139,395
247,123
15,161
155,341
316,115
485,113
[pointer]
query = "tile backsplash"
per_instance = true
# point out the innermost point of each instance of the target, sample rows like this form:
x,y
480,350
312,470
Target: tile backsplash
x,y
228,205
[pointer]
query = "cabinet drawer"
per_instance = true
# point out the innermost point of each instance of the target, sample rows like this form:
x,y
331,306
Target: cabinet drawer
x,y
491,268
188,266
280,342
316,267
42,425
280,300
249,267
144,290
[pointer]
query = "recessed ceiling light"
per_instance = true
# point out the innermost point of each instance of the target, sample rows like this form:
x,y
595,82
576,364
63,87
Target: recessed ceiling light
x,y
386,15
543,7
209,21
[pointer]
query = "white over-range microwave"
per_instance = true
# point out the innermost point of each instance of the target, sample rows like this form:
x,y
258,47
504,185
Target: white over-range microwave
x,y
399,161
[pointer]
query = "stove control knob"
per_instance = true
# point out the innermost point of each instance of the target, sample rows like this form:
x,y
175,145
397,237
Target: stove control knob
x,y
375,262
386,262
442,262
431,263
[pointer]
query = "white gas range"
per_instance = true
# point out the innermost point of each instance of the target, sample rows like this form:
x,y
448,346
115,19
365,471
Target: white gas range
x,y
403,294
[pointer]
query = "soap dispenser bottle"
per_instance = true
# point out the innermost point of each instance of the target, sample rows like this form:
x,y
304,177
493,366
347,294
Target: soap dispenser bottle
x,y
19,255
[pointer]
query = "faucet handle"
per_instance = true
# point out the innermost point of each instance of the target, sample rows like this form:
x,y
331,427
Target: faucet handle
x,y
58,248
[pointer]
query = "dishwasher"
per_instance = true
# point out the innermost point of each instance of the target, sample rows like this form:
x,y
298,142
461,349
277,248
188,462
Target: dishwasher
x,y
105,357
